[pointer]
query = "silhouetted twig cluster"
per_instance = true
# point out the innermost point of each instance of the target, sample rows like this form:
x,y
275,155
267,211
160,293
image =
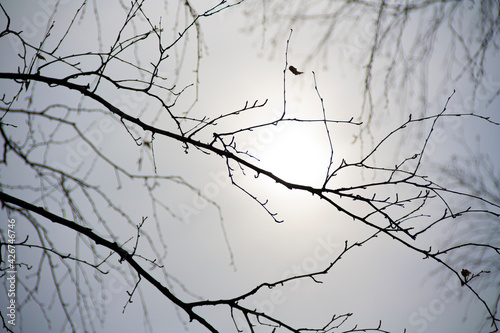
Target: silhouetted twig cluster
x,y
398,202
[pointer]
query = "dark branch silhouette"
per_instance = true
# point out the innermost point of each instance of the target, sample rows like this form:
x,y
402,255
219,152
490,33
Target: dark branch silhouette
x,y
399,202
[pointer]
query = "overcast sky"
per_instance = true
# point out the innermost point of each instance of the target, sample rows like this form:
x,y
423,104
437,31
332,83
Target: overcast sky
x,y
381,280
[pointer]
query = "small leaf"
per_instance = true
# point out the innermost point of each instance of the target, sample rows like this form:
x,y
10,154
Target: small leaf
x,y
294,70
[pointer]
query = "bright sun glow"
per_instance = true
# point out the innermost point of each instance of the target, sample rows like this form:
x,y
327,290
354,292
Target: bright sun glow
x,y
297,154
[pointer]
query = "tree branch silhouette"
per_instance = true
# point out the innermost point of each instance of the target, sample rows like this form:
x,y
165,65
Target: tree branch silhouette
x,y
399,203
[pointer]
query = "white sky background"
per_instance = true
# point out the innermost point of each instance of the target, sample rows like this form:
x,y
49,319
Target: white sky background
x,y
379,281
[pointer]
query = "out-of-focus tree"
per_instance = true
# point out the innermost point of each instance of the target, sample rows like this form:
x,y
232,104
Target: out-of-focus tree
x,y
395,43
